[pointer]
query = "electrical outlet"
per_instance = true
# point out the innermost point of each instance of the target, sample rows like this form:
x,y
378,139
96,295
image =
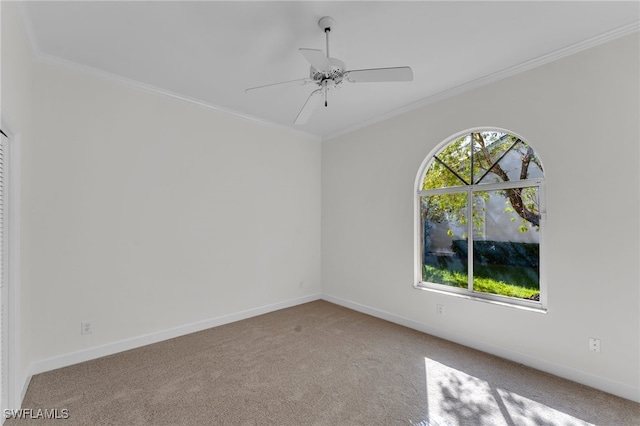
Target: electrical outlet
x,y
594,344
440,310
85,327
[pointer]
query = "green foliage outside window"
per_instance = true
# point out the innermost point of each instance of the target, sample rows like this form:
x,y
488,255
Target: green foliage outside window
x,y
454,179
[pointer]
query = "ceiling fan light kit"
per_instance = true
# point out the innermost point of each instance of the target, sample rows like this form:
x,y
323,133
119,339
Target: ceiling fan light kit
x,y
329,73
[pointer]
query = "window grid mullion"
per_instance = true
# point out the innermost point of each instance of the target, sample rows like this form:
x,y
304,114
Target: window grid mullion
x,y
470,221
484,187
470,239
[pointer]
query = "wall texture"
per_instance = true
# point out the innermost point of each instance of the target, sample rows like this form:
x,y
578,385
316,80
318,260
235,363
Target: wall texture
x,y
16,116
143,214
581,116
149,213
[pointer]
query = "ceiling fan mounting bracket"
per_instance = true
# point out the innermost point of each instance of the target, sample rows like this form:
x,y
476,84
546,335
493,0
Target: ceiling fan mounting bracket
x,y
325,23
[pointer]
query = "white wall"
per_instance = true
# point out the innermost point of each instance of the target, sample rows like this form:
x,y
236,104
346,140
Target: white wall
x,y
15,111
580,114
148,213
149,216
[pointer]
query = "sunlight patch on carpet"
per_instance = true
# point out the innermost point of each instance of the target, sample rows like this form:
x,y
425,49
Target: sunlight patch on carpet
x,y
457,398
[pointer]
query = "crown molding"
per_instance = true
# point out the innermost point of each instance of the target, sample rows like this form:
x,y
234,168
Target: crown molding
x,y
94,72
56,61
27,27
599,39
498,75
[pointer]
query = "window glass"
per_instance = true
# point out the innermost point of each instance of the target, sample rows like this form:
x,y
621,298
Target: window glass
x,y
444,218
479,217
488,148
451,166
512,160
506,247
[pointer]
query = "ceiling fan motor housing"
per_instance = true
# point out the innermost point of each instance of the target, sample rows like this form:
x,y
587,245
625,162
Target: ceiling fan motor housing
x,y
336,73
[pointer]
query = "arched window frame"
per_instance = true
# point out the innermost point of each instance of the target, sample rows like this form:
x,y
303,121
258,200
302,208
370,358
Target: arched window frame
x,y
468,292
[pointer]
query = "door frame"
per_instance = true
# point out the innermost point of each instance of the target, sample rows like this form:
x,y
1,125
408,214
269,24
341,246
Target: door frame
x,y
13,368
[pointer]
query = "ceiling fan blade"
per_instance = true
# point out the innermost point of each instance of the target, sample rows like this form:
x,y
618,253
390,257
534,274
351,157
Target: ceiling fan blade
x,y
307,109
379,74
317,59
297,82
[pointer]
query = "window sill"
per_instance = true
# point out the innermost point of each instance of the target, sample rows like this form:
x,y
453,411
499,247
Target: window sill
x,y
525,305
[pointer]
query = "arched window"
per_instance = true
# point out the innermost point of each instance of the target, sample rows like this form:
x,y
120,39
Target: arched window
x,y
479,209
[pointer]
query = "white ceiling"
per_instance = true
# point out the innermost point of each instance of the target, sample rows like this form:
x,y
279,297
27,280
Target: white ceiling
x,y
211,51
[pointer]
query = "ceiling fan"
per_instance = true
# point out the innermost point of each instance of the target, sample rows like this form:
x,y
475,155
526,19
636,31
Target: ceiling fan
x,y
329,73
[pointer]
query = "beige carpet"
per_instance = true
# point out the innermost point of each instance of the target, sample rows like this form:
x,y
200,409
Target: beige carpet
x,y
316,364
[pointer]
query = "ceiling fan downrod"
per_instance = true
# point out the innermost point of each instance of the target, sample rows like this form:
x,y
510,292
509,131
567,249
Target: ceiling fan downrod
x,y
325,24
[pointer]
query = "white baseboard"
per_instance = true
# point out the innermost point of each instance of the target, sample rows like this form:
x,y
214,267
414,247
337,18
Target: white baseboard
x,y
25,386
606,385
579,376
147,339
